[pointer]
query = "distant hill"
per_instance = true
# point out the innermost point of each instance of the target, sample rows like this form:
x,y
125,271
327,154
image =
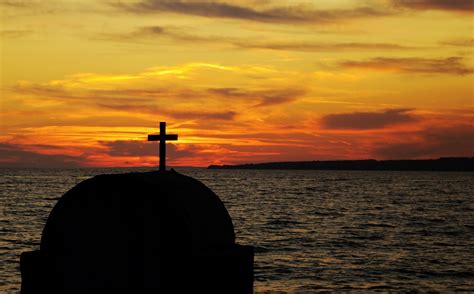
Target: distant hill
x,y
441,164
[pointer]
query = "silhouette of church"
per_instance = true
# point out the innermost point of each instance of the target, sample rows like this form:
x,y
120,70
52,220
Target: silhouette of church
x,y
151,232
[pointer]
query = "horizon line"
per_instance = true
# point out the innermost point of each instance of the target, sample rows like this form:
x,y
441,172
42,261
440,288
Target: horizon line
x,y
234,164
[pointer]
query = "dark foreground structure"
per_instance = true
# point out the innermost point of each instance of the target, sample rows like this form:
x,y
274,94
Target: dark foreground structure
x,y
155,232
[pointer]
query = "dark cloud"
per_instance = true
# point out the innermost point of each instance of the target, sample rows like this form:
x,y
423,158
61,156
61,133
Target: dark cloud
x,y
143,148
18,3
17,156
203,115
123,95
452,5
14,34
460,43
129,100
123,106
182,34
431,143
288,14
295,46
224,115
151,33
154,30
150,100
46,118
39,89
295,136
129,148
262,97
367,120
450,65
32,8
217,115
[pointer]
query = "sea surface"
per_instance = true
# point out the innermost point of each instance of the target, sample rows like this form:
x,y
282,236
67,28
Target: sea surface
x,y
312,230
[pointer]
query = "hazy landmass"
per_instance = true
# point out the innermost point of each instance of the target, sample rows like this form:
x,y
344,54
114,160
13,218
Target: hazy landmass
x,y
441,164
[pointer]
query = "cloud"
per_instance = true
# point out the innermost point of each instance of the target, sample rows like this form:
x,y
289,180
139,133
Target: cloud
x,y
18,156
177,114
129,148
46,89
182,35
19,3
124,148
219,9
431,143
154,32
30,8
223,115
14,34
368,120
175,93
158,87
263,97
450,65
450,5
459,43
298,46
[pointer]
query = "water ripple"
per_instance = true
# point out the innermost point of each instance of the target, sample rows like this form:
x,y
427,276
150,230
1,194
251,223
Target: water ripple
x,y
313,231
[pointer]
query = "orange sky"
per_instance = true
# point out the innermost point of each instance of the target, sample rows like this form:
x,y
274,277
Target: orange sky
x,y
83,82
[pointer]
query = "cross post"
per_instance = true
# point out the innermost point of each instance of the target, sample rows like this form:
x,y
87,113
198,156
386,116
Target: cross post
x,y
163,137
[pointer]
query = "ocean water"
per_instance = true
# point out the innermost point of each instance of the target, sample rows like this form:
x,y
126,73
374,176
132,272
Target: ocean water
x,y
312,230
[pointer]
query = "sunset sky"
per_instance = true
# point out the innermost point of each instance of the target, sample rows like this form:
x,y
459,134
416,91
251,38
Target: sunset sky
x,y
84,81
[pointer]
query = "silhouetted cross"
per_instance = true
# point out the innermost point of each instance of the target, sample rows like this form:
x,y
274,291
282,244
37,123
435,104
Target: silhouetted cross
x,y
162,137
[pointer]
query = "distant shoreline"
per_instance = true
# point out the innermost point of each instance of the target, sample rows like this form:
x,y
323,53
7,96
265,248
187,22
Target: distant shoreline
x,y
440,164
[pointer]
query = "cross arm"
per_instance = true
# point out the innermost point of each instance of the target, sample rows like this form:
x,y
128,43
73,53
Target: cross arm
x,y
168,137
171,137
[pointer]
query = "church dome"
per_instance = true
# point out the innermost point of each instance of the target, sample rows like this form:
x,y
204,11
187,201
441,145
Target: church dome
x,y
114,231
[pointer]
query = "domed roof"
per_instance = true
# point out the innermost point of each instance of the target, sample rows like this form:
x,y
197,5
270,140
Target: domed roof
x,y
117,231
154,209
